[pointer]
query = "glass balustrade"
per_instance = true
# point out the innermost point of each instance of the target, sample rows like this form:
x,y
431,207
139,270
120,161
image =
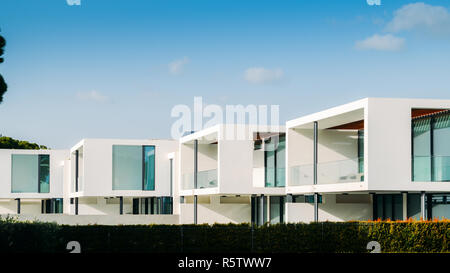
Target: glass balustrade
x,y
333,172
205,179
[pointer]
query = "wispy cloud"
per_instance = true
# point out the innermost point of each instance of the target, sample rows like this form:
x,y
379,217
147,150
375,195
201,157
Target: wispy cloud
x,y
422,17
177,66
93,95
260,75
386,42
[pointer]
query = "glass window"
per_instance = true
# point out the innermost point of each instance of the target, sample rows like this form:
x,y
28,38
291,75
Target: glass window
x,y
276,209
421,149
149,168
58,205
281,162
270,167
310,199
274,161
441,148
361,152
440,206
24,173
431,148
388,206
127,167
166,205
413,208
44,173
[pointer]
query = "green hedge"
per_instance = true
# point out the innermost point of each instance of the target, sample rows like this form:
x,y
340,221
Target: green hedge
x,y
348,237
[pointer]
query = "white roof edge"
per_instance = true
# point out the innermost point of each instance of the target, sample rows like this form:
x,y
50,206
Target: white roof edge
x,y
344,108
216,129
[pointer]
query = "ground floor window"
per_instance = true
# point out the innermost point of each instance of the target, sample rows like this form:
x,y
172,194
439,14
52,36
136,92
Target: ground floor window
x,y
388,206
267,209
153,205
54,205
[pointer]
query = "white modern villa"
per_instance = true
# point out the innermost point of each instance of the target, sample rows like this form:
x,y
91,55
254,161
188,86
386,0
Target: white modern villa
x,y
374,158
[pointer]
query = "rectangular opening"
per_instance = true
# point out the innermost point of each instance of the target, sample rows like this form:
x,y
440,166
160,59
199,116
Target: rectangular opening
x,y
430,145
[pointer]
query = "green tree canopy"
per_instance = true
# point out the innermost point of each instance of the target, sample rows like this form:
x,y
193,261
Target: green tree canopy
x,y
3,86
11,143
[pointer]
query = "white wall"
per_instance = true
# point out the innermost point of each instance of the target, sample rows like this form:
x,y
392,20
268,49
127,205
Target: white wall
x,y
388,144
210,213
236,166
97,154
57,158
258,169
329,210
8,206
99,219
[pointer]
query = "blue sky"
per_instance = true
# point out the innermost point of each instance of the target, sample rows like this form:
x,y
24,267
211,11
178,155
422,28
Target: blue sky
x,y
116,68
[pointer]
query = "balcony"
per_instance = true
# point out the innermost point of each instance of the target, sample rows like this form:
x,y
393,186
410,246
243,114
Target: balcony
x,y
333,172
431,168
205,179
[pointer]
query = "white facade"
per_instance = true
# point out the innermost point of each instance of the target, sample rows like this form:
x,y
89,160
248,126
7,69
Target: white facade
x,y
372,158
96,194
30,200
230,171
385,126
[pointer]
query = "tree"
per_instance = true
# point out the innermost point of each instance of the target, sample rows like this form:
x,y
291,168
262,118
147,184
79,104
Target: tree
x,y
11,143
3,86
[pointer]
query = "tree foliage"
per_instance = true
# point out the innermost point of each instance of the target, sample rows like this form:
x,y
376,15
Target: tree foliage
x,y
11,143
3,86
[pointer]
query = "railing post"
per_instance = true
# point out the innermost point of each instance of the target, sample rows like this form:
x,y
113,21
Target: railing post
x,y
18,205
121,205
195,209
316,197
422,206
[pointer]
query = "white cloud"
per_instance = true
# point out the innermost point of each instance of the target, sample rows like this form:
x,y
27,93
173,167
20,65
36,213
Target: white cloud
x,y
386,42
176,67
420,16
92,96
260,75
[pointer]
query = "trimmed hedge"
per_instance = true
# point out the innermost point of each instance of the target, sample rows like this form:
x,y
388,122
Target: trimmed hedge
x,y
326,237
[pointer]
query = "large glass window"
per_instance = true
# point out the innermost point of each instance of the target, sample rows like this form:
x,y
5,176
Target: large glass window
x,y
421,149
413,206
388,206
441,148
276,209
127,167
440,206
30,173
431,148
133,167
24,173
274,161
361,153
149,168
44,173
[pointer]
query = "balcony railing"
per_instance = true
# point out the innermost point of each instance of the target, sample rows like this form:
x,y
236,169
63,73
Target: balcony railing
x,y
333,172
431,168
205,179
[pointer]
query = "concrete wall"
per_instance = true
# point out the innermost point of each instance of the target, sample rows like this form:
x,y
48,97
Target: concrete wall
x,y
57,158
258,169
388,140
99,219
329,210
213,211
235,166
97,163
